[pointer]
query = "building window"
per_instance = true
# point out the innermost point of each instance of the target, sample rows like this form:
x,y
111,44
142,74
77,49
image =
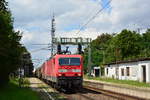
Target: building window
x,y
128,71
122,72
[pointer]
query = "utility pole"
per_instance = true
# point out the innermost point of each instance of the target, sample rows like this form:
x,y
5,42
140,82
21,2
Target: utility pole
x,y
89,60
52,35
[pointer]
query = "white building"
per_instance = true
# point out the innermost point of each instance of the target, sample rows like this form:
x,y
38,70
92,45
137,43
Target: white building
x,y
138,70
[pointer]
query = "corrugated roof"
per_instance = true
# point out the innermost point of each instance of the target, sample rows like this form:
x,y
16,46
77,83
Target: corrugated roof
x,y
128,61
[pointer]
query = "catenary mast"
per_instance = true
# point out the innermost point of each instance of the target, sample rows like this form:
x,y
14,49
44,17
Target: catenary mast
x,y
52,35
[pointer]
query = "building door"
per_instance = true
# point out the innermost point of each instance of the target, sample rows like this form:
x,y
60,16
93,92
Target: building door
x,y
144,73
97,72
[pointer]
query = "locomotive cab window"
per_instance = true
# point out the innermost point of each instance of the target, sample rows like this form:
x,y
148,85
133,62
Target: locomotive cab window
x,y
69,61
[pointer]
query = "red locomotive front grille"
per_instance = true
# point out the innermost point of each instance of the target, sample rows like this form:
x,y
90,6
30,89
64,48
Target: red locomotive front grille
x,y
69,70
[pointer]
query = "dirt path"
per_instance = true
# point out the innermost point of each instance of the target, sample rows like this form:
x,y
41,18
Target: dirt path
x,y
42,88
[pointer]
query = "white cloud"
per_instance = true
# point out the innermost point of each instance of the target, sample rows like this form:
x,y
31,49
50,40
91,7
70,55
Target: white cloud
x,y
33,17
26,37
87,33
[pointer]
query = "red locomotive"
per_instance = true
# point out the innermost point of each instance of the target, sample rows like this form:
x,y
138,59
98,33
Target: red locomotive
x,y
64,71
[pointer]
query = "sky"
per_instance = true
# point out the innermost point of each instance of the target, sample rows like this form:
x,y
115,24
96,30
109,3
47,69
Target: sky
x,y
33,19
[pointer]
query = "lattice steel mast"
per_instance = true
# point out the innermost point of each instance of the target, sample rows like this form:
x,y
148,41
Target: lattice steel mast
x,y
52,34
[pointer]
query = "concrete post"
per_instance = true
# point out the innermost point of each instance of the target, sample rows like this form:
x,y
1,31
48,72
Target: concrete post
x,y
89,60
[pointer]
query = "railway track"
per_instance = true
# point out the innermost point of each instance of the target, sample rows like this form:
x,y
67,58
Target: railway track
x,y
114,94
90,93
87,94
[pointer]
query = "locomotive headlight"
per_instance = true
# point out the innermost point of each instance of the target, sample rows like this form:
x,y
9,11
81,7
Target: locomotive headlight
x,y
62,70
76,70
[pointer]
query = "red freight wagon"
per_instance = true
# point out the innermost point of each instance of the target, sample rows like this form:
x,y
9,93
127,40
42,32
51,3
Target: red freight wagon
x,y
64,70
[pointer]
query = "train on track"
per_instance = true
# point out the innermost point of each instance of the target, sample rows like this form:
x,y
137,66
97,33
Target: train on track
x,y
62,71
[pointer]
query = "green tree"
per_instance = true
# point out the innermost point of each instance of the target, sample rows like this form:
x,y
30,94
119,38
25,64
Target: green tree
x,y
10,48
127,45
3,5
145,52
98,47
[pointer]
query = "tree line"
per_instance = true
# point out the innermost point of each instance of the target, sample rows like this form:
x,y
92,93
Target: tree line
x,y
11,50
126,45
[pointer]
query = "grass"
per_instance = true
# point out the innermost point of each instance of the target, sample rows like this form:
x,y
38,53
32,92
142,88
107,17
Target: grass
x,y
14,92
128,82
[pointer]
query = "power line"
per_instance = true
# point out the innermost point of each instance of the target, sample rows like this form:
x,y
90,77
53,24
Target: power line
x,y
105,6
93,11
42,44
46,48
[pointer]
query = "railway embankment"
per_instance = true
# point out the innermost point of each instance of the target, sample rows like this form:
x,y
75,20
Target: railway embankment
x,y
141,92
45,91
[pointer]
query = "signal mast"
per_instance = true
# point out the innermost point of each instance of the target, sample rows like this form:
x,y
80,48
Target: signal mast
x,y
52,35
68,41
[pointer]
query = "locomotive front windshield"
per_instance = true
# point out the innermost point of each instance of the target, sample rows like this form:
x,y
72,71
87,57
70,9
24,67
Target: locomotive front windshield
x,y
69,61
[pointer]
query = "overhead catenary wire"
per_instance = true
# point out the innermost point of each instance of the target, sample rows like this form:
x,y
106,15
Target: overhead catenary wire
x,y
42,44
93,17
46,48
91,12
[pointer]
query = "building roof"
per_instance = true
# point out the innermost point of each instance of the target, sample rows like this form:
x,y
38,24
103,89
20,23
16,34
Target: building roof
x,y
128,61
